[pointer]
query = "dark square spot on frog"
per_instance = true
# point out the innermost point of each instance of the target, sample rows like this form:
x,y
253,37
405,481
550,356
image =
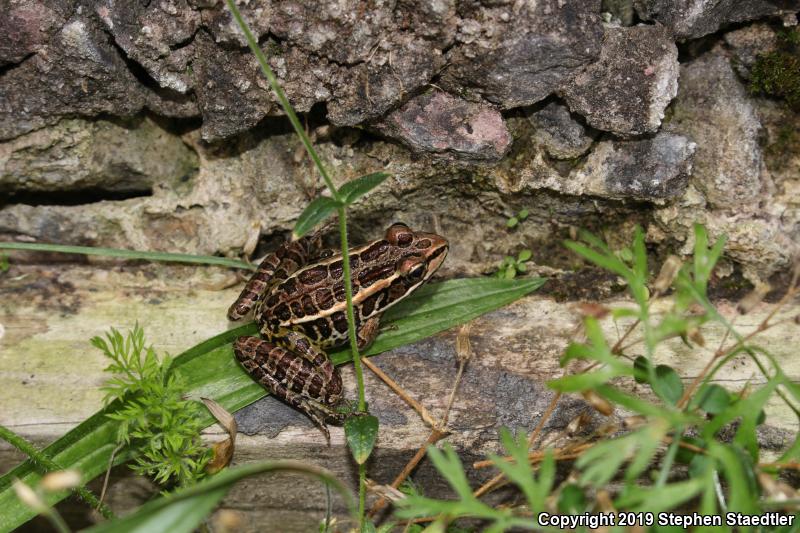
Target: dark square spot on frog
x,y
368,305
282,361
324,298
289,287
273,300
300,371
297,310
339,292
375,251
335,269
368,276
312,276
308,304
397,290
324,328
339,322
282,312
315,386
310,331
422,244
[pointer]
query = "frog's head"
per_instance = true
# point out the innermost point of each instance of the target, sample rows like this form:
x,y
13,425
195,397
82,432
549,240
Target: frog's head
x,y
423,253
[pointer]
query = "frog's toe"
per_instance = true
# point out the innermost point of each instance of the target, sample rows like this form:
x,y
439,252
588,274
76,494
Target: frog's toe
x,y
318,414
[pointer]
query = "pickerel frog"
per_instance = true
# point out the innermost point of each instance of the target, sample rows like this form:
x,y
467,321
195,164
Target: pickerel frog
x,y
298,298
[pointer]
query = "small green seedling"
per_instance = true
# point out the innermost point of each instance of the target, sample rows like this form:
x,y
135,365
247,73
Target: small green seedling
x,y
511,266
516,219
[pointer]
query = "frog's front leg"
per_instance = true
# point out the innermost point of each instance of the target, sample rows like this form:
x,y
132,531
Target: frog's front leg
x,y
367,332
300,374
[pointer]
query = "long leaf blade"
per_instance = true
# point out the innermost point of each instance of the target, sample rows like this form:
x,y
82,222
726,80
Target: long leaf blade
x,y
126,254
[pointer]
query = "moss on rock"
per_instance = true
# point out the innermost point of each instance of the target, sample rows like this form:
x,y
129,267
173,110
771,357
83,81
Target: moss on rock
x,y
777,73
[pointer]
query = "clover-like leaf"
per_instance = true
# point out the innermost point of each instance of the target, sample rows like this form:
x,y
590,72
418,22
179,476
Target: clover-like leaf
x,y
668,385
713,399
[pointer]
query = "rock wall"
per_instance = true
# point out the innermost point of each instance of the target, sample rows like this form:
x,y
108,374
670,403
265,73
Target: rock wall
x,y
149,126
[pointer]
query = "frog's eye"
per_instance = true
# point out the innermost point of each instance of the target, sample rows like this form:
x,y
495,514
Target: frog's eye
x,y
399,234
417,271
413,266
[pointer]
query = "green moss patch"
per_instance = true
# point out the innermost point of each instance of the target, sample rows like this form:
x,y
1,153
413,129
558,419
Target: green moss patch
x,y
777,73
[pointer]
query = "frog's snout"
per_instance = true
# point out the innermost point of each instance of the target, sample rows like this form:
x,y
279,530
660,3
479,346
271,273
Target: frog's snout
x,y
436,252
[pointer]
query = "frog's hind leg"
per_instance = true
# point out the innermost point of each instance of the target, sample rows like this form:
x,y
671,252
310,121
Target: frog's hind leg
x,y
292,378
303,346
282,263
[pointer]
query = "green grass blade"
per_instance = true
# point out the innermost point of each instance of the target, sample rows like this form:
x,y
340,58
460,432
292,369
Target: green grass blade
x,y
210,370
184,510
440,306
127,254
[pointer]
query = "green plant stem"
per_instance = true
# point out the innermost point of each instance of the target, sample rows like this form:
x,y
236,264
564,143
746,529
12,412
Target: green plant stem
x,y
287,107
127,254
351,320
48,465
351,329
351,332
362,495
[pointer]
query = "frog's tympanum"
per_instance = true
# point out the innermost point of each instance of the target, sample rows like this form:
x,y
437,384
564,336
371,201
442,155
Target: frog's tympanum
x,y
298,299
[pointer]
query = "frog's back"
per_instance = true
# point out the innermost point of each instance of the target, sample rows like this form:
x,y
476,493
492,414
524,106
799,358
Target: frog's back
x,y
383,272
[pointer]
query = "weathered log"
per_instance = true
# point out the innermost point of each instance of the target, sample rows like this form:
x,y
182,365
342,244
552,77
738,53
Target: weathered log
x,y
51,379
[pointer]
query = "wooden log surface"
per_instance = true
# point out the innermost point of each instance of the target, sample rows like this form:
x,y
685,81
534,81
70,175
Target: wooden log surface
x,y
50,378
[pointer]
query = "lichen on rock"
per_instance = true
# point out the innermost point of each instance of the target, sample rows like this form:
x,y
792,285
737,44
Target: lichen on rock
x,y
627,90
438,123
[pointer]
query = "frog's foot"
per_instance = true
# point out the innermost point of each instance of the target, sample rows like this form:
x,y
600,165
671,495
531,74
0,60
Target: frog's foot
x,y
346,407
319,413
